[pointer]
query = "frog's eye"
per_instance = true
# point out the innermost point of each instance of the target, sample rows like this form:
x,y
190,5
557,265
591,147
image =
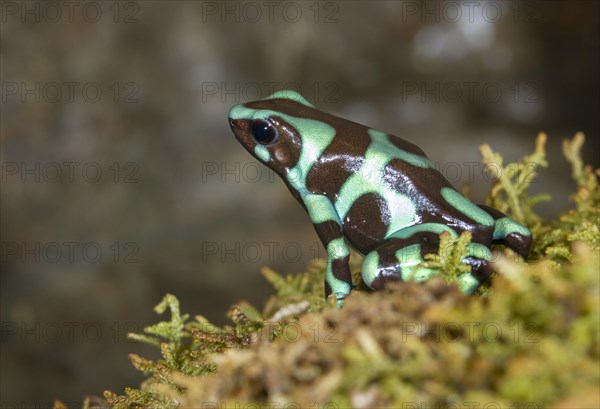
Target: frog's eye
x,y
263,132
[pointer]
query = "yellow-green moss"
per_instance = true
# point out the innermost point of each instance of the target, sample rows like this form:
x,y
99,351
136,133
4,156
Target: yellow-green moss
x,y
530,340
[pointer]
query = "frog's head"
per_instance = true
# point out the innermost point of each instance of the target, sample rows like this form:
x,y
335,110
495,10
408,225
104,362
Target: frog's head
x,y
270,128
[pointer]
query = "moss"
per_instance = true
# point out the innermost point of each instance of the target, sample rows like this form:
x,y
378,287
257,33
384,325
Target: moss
x,y
580,223
533,341
510,192
528,340
448,259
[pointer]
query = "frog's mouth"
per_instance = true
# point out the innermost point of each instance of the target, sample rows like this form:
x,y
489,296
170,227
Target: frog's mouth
x,y
241,131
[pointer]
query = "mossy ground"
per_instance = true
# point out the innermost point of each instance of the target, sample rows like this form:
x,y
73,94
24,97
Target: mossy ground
x,y
528,340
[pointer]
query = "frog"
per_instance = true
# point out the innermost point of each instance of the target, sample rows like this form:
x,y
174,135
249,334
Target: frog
x,y
371,192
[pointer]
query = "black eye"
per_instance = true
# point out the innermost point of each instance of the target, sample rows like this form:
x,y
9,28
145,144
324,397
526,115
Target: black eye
x,y
263,132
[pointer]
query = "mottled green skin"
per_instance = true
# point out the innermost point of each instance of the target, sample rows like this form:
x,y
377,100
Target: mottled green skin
x,y
373,191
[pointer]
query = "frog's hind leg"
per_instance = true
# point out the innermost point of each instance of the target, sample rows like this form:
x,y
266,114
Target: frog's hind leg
x,y
396,260
509,233
400,258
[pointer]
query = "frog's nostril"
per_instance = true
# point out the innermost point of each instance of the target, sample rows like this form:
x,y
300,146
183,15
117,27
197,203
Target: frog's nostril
x,y
232,123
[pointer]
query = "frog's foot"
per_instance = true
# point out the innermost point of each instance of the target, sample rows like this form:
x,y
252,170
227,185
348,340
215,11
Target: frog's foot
x,y
339,295
509,232
480,273
478,257
338,279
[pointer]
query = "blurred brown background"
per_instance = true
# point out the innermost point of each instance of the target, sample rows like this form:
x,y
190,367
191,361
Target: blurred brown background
x,y
121,180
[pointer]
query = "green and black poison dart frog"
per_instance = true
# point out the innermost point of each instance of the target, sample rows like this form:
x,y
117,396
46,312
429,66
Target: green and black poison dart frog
x,y
371,190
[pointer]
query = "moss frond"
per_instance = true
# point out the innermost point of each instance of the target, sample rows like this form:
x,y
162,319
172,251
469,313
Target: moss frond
x,y
509,193
449,257
581,223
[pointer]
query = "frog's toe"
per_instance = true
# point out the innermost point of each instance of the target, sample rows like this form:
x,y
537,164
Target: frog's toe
x,y
481,269
481,272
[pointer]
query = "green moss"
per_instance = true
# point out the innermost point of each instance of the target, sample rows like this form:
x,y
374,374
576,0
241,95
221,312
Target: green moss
x,y
528,340
509,193
448,259
581,222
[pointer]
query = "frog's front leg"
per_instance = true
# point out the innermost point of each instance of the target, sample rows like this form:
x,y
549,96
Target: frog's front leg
x,y
328,226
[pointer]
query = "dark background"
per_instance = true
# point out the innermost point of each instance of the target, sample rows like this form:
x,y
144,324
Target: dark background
x,y
140,92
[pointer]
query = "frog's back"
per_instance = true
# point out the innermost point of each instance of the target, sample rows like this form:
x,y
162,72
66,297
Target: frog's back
x,y
381,183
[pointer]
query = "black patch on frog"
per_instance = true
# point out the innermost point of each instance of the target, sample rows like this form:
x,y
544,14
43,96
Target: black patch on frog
x,y
381,280
285,153
327,289
328,230
341,271
294,108
405,145
366,223
388,268
338,162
